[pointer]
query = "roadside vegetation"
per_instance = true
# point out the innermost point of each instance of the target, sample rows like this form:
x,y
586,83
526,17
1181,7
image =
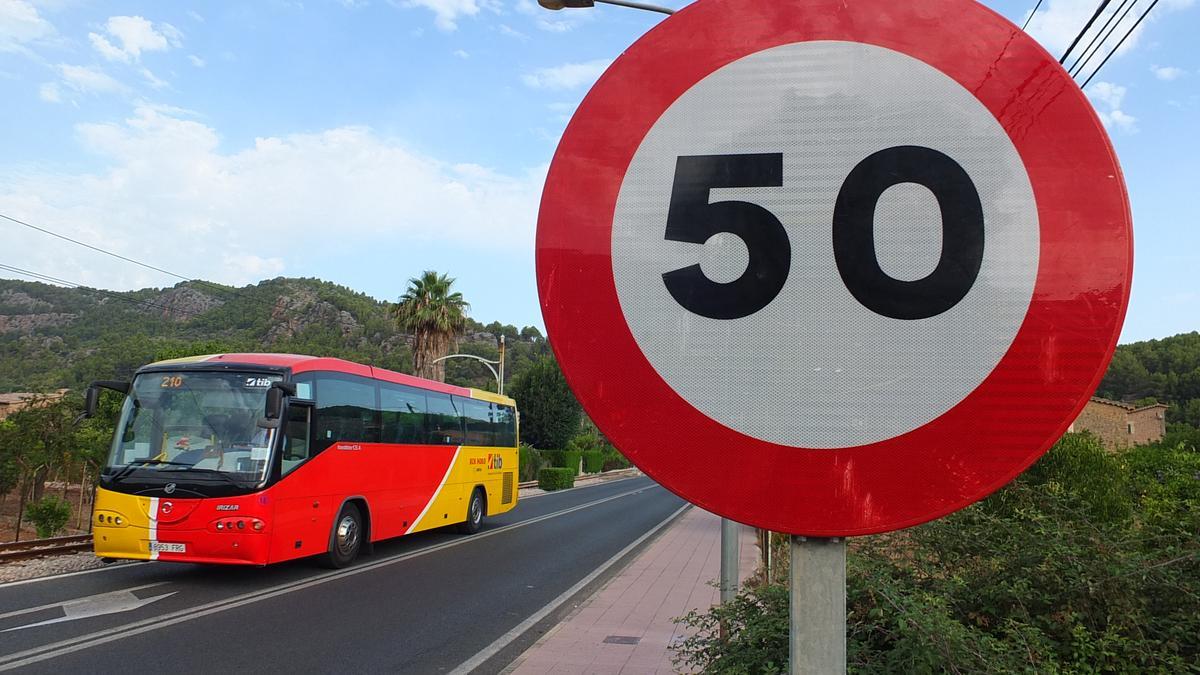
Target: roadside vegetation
x,y
1088,562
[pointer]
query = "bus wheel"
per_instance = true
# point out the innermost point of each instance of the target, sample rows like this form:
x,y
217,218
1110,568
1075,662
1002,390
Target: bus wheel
x,y
345,540
474,514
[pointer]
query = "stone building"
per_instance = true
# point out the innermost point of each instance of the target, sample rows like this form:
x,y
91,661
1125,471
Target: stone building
x,y
11,403
1121,425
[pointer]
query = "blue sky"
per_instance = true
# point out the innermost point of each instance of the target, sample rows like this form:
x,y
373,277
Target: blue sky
x,y
362,141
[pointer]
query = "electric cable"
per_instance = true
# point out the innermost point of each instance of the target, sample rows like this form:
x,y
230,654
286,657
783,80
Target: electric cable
x,y
1123,38
1030,17
1097,41
117,296
148,266
1083,32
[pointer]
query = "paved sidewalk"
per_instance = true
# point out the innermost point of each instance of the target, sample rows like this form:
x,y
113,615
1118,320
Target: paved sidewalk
x,y
626,626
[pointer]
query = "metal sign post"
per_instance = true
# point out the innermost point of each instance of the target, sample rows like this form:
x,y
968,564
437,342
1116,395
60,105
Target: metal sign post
x,y
817,605
730,552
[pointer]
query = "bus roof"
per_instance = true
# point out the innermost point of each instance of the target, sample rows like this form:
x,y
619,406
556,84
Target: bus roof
x,y
299,363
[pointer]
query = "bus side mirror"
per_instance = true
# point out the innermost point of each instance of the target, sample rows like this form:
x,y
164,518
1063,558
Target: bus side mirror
x,y
274,408
90,401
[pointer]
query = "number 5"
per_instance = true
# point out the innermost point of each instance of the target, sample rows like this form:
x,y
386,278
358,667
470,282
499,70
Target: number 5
x,y
692,219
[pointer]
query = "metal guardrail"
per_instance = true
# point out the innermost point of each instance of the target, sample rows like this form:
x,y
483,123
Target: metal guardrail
x,y
36,548
614,472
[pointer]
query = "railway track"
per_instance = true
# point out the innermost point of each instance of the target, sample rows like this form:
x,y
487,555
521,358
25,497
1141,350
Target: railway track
x,y
36,548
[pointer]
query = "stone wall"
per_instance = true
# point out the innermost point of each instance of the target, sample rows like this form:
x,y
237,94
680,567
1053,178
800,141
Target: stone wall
x,y
1120,425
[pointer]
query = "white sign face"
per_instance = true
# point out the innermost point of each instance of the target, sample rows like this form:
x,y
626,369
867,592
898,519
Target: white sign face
x,y
787,331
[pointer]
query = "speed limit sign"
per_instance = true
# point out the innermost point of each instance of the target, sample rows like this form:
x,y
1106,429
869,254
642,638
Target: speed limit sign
x,y
834,268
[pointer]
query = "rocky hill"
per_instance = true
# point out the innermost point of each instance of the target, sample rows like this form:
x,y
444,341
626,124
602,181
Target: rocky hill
x,y
52,337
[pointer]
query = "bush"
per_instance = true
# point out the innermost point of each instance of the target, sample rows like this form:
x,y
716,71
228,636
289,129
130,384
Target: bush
x,y
49,515
614,460
573,460
530,462
593,461
757,620
566,459
1087,563
556,478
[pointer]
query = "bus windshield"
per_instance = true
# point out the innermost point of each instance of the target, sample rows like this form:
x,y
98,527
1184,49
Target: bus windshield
x,y
196,421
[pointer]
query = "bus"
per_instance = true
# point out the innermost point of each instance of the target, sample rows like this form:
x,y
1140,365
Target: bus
x,y
254,459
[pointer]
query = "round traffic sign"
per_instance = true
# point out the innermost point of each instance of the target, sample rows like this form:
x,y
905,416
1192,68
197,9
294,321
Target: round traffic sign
x,y
828,268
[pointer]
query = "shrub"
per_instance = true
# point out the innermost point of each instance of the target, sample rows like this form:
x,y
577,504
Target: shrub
x,y
573,460
614,460
757,620
530,461
49,515
1087,563
593,461
565,459
556,478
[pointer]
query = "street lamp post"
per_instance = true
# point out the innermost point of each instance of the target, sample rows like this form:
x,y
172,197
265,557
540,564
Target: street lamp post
x,y
498,375
561,4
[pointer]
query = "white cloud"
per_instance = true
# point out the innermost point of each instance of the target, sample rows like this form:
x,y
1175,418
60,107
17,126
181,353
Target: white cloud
x,y
461,54
135,35
153,79
554,22
1167,73
566,76
195,16
446,13
511,32
1107,98
170,192
21,24
1107,93
89,79
50,92
196,61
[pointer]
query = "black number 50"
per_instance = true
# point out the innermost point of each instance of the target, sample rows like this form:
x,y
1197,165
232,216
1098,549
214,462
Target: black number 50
x,y
691,218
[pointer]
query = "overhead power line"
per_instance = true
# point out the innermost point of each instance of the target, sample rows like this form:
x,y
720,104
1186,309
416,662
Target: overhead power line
x,y
117,296
1094,45
1086,26
1030,17
1122,41
214,286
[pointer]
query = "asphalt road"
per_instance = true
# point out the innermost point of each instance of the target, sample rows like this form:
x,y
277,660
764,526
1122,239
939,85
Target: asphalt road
x,y
426,603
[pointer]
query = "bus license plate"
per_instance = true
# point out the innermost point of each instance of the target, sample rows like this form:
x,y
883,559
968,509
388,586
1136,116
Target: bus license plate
x,y
165,547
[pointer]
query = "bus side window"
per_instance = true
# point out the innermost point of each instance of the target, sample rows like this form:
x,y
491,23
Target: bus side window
x,y
295,441
506,426
403,412
443,421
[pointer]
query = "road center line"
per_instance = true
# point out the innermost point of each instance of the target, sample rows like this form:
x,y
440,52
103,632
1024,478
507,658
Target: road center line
x,y
81,642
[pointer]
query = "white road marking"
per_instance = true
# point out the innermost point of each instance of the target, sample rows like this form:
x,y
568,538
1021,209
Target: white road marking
x,y
95,639
113,602
30,610
504,640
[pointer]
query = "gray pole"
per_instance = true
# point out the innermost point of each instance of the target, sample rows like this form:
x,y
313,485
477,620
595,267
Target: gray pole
x,y
730,552
818,605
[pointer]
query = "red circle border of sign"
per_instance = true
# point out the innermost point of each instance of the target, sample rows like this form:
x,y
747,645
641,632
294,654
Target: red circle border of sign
x,y
1038,388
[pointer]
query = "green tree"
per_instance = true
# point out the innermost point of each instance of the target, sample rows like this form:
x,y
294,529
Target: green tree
x,y
434,316
549,412
49,515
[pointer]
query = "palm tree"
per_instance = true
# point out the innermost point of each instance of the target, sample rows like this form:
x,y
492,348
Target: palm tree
x,y
434,317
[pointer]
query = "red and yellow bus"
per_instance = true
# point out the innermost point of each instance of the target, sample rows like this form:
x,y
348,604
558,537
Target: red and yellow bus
x,y
255,459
